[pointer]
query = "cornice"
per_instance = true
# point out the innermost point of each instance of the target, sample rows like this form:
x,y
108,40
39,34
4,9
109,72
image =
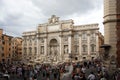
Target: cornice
x,y
111,20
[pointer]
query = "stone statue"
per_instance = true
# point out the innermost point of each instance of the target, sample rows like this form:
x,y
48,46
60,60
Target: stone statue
x,y
55,52
53,19
52,50
66,49
105,54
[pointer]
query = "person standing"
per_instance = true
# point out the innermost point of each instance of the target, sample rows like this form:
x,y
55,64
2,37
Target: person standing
x,y
91,76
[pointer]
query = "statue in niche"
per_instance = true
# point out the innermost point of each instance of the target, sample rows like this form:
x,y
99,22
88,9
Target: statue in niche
x,y
56,50
52,50
53,19
66,49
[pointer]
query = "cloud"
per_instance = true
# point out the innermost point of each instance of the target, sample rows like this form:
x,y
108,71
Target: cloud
x,y
66,7
17,16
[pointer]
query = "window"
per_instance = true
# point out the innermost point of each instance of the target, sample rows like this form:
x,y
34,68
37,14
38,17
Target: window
x,y
2,55
9,55
76,58
3,42
9,49
25,42
92,36
76,36
3,60
84,36
84,48
2,48
93,48
30,42
76,49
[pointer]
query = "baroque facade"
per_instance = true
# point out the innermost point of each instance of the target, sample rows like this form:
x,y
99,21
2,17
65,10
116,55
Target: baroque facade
x,y
57,40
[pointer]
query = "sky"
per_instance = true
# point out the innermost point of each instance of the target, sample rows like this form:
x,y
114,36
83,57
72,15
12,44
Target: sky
x,y
18,16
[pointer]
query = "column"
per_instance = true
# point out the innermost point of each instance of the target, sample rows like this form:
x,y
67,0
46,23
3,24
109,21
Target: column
x,y
45,46
33,49
37,55
80,41
88,43
70,44
27,47
61,47
97,46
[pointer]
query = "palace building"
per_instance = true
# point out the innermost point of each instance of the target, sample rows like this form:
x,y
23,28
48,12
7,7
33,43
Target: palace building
x,y
60,40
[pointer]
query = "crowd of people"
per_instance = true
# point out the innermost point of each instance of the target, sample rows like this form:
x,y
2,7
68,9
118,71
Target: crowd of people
x,y
86,70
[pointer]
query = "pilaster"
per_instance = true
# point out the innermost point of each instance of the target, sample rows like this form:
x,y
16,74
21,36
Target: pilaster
x,y
88,42
61,46
70,45
27,48
33,48
80,41
45,46
97,45
38,51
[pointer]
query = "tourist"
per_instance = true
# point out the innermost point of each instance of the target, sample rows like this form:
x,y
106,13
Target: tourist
x,y
91,76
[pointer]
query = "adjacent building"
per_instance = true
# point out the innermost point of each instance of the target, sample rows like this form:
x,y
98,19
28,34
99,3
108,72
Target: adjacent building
x,y
58,40
16,49
112,28
10,48
5,47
